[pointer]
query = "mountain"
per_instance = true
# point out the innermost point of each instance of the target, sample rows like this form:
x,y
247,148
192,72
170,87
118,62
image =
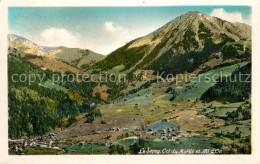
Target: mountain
x,y
182,45
22,45
76,57
80,58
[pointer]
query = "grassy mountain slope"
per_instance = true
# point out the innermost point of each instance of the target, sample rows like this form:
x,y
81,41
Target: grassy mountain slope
x,y
80,58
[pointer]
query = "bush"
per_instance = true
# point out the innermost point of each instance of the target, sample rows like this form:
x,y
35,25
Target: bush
x,y
92,114
118,149
136,147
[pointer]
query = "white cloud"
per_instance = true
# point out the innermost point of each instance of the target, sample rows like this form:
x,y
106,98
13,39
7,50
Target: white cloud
x,y
107,40
114,37
111,28
59,37
230,16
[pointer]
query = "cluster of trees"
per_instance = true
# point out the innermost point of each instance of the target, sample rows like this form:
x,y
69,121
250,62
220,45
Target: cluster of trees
x,y
29,115
27,119
91,114
189,40
170,90
169,63
242,144
118,149
151,56
239,114
236,88
235,50
137,146
204,33
133,149
115,89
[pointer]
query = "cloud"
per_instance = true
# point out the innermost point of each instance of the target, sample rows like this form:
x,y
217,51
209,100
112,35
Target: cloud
x,y
115,36
59,37
112,29
230,16
107,40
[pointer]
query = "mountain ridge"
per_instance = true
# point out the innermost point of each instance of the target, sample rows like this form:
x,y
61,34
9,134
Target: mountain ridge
x,y
75,56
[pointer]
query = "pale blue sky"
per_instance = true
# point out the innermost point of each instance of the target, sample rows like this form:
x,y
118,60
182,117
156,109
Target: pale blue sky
x,y
102,29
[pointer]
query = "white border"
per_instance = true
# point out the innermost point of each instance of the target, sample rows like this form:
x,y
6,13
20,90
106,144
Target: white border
x,y
253,158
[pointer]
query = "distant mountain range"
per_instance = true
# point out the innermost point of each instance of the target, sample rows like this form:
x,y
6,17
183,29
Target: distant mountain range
x,y
77,57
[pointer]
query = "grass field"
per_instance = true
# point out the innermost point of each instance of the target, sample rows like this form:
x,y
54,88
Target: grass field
x,y
49,84
143,96
41,151
182,143
245,128
86,147
126,142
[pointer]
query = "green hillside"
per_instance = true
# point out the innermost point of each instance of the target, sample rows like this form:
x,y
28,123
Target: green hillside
x,y
35,108
79,58
236,87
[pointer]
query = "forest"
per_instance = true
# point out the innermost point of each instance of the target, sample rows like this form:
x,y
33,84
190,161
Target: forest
x,y
34,109
235,88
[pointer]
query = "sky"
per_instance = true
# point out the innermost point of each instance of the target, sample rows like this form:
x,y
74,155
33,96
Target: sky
x,y
104,29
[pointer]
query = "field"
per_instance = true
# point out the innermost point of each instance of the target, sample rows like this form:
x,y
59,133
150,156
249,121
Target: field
x,y
244,127
143,96
190,120
127,142
53,65
100,125
88,149
49,84
182,143
218,112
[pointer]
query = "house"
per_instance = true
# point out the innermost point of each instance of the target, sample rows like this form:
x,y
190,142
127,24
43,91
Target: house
x,y
164,138
173,138
44,146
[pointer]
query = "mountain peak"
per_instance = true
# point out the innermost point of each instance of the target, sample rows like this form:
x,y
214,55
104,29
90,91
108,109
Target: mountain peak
x,y
193,13
189,15
190,32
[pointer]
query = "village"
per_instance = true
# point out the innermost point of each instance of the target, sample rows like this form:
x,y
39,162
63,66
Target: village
x,y
163,129
46,141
